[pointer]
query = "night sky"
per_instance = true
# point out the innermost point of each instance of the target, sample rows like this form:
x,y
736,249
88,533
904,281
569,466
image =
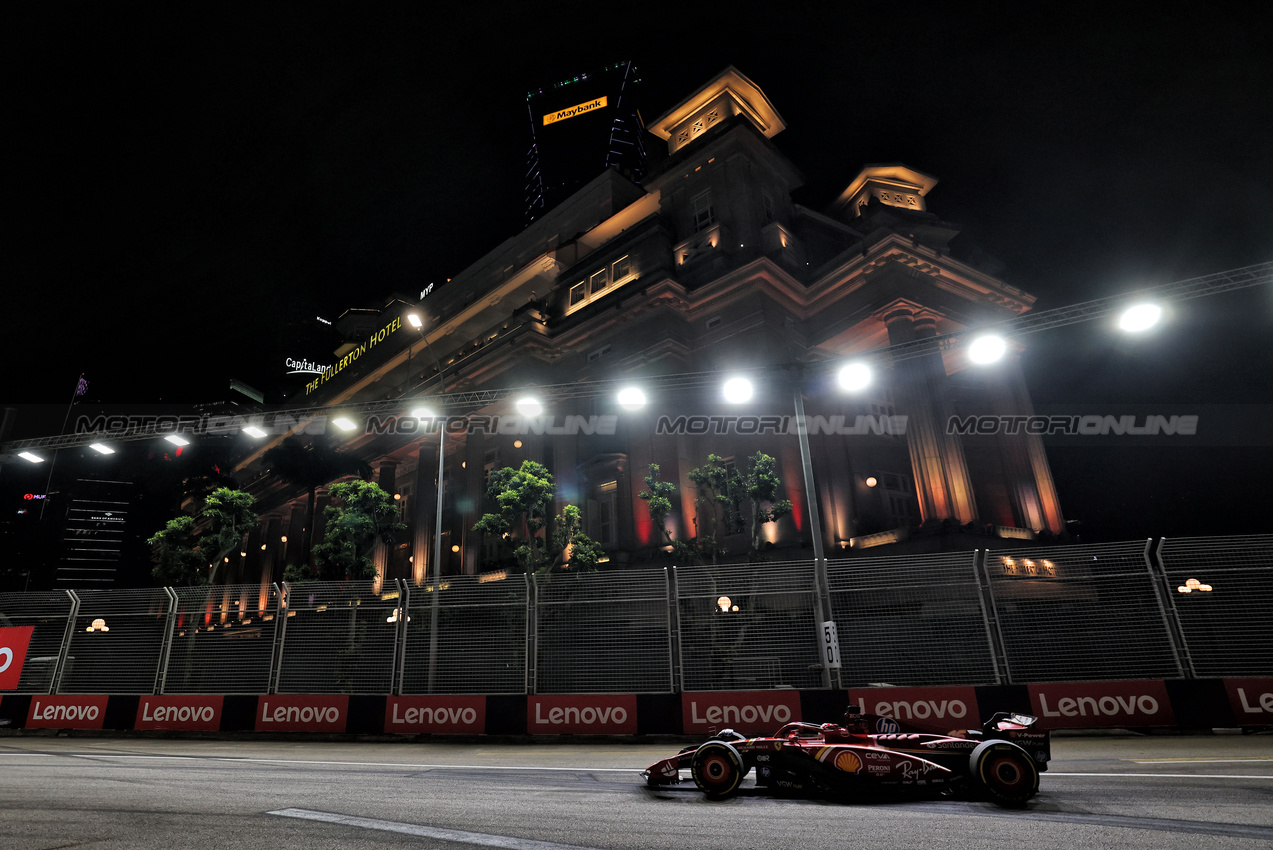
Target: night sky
x,y
184,173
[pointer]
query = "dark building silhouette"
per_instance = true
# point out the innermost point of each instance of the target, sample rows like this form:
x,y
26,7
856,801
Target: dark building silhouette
x,y
580,127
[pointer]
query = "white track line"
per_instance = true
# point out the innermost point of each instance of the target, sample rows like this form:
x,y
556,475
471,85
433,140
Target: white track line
x,y
479,838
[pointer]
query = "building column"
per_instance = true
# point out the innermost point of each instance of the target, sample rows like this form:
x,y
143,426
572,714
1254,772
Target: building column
x,y
942,484
1034,495
387,479
425,504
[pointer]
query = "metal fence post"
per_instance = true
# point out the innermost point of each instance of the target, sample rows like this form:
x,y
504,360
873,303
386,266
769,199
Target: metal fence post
x,y
161,674
678,667
1175,632
280,633
56,682
674,669
822,612
994,634
400,637
532,633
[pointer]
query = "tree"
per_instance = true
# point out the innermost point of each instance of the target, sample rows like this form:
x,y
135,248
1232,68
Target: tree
x,y
762,487
575,549
186,548
311,466
522,497
659,496
363,514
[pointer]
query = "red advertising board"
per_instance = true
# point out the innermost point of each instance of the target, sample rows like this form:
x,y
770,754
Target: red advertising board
x,y
746,712
1251,701
14,641
581,714
67,711
446,715
935,709
307,713
1095,705
179,713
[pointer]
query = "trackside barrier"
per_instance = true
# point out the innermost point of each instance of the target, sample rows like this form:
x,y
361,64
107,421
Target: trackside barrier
x,y
1030,615
1133,704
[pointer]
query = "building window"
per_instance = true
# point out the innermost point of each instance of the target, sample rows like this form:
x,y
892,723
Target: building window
x,y
704,214
605,525
596,282
600,282
767,205
598,353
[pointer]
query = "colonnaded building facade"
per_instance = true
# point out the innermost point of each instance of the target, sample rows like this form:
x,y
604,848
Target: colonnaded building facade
x,y
706,269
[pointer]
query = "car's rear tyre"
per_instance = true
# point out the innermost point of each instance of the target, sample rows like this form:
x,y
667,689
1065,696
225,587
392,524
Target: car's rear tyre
x,y
1006,773
717,769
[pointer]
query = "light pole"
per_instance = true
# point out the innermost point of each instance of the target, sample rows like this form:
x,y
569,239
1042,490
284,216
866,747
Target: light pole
x,y
417,323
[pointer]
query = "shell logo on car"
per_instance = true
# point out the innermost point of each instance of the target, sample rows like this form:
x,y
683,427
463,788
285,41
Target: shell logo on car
x,y
848,762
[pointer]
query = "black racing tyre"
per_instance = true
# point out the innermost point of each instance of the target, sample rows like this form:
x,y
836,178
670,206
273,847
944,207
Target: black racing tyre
x,y
717,769
1005,772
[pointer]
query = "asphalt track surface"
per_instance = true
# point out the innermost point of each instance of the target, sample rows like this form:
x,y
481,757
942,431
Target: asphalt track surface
x,y
99,792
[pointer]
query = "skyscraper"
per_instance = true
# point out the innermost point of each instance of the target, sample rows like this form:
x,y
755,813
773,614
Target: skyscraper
x,y
580,127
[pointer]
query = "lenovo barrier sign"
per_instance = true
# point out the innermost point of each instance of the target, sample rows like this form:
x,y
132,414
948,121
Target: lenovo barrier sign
x,y
1089,705
286,713
1251,701
14,641
67,712
449,715
179,713
746,712
937,709
582,714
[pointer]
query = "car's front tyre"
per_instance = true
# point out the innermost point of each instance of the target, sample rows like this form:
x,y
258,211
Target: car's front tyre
x,y
717,769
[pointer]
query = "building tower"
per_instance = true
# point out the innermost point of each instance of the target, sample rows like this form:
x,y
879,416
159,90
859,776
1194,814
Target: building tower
x,y
580,127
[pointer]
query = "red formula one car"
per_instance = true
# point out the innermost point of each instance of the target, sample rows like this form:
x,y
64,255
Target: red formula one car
x,y
1001,761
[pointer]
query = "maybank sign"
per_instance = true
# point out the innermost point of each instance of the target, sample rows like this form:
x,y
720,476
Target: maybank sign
x,y
579,109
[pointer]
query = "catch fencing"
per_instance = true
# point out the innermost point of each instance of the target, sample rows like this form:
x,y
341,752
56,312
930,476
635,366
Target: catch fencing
x,y
1033,614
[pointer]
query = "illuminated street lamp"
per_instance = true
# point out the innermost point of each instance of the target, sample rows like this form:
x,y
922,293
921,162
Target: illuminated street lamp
x,y
738,390
102,448
853,377
31,457
529,406
631,398
177,440
987,349
1139,317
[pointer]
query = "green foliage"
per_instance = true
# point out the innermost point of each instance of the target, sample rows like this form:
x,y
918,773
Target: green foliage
x,y
763,487
363,514
522,497
659,496
310,466
189,552
577,550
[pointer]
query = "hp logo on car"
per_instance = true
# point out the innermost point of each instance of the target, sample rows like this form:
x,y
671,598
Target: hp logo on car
x,y
886,725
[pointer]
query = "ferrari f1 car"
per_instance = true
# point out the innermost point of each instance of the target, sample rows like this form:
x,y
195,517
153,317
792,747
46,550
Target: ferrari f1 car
x,y
1000,762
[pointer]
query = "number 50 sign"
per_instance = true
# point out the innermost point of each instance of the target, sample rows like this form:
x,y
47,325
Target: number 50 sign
x,y
831,645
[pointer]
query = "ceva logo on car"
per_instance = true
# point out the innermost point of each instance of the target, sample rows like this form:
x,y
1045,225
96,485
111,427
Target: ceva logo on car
x,y
747,712
1078,705
608,714
67,712
285,713
179,713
